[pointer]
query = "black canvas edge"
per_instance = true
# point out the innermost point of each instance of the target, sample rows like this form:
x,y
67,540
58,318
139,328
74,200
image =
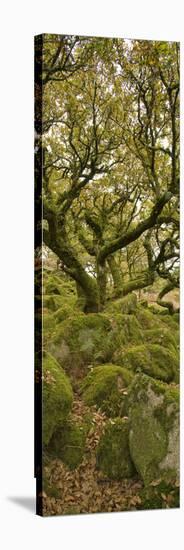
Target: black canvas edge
x,y
38,302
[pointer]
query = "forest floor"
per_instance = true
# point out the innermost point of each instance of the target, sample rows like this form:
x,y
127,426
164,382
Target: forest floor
x,y
85,489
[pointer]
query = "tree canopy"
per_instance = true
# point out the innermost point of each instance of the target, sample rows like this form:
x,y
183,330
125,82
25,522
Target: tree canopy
x,y
108,132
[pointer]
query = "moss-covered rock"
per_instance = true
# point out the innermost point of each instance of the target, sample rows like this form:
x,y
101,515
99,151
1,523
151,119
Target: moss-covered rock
x,y
57,397
147,319
124,329
68,443
63,313
154,428
48,326
170,320
126,305
58,292
162,337
106,386
113,455
82,339
163,495
52,302
152,359
59,285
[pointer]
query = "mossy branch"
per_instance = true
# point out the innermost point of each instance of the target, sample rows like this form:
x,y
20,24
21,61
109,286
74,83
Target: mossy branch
x,y
134,234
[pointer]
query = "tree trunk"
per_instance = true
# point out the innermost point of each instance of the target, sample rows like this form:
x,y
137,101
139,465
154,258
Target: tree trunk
x,y
73,267
116,275
102,282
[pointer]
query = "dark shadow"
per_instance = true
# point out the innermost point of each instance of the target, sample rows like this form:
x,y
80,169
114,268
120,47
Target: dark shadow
x,y
26,502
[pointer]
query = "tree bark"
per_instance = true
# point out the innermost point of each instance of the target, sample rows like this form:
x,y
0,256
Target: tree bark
x,y
116,275
143,281
73,267
169,305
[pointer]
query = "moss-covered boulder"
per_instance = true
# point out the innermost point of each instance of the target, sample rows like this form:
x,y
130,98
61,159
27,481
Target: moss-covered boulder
x,y
159,496
162,337
63,313
154,428
172,323
48,326
52,302
81,340
106,387
58,292
125,329
57,397
68,443
147,319
58,285
125,305
152,359
113,455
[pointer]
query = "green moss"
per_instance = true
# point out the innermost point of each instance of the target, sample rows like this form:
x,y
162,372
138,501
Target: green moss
x,y
113,456
169,320
151,359
68,444
164,338
126,305
147,432
54,284
82,339
52,302
125,328
176,317
57,397
147,319
48,326
106,386
163,495
50,488
58,292
63,313
52,288
153,409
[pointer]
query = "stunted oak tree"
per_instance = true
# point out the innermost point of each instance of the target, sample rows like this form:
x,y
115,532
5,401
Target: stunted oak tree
x,y
109,143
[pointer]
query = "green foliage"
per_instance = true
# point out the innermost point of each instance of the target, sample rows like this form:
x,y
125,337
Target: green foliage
x,y
106,386
57,397
113,456
90,200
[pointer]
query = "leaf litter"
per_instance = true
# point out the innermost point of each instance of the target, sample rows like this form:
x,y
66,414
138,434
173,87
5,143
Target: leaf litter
x,y
86,490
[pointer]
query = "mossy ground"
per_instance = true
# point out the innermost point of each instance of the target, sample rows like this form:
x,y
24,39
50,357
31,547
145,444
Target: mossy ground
x,y
100,356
